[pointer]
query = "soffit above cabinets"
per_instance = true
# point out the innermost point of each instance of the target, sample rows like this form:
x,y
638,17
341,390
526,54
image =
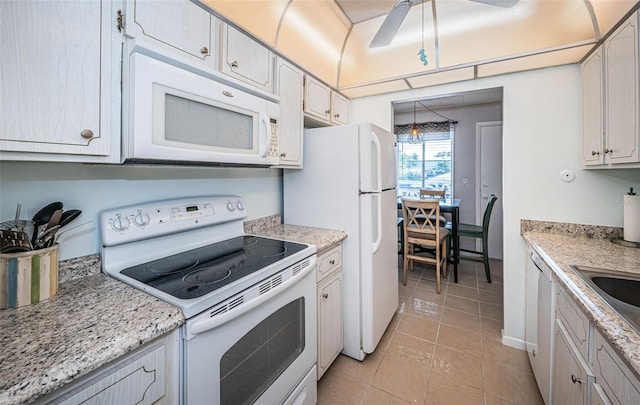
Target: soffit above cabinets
x,y
462,39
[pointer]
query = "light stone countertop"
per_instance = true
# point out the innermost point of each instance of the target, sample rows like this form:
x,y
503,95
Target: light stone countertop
x,y
92,320
271,227
582,248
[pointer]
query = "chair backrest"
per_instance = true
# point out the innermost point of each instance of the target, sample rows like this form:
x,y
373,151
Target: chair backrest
x,y
487,213
432,193
421,217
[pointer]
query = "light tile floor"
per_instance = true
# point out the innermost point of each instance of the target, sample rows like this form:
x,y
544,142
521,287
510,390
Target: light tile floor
x,y
439,348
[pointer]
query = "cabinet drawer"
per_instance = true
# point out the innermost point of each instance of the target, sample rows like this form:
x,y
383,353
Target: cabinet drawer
x,y
616,379
575,321
141,381
328,262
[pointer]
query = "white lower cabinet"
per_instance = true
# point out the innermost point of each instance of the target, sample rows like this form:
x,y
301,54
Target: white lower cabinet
x,y
330,328
149,375
619,384
571,373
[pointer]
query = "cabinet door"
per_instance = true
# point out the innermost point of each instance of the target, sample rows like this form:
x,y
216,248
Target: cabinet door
x,y
592,109
246,59
339,109
179,26
290,124
615,378
330,339
621,59
55,69
317,98
571,374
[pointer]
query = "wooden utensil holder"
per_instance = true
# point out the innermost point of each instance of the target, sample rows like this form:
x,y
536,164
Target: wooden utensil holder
x,y
29,277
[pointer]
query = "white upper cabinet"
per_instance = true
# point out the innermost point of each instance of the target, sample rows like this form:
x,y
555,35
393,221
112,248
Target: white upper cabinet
x,y
592,108
182,27
323,104
317,99
611,100
290,125
59,81
622,98
245,59
339,109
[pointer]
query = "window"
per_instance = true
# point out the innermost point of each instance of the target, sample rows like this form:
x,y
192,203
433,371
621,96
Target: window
x,y
427,164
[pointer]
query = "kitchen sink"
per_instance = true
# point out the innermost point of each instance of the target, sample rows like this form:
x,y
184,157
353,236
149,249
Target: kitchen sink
x,y
620,290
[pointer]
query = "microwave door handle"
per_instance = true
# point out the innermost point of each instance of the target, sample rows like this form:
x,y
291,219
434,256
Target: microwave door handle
x,y
265,134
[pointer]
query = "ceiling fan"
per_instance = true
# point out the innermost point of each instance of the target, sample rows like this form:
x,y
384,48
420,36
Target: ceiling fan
x,y
396,16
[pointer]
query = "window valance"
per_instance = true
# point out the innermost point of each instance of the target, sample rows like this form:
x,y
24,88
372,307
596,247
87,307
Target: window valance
x,y
424,127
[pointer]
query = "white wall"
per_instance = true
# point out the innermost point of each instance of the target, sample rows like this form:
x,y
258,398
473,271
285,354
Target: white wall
x,y
93,188
542,126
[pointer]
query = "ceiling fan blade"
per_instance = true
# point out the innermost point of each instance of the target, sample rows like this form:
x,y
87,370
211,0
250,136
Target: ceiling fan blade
x,y
391,24
499,3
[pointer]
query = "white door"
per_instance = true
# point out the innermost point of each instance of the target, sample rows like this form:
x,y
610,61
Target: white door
x,y
489,181
379,266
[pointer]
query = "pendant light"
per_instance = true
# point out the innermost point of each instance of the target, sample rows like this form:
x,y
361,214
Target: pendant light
x,y
414,135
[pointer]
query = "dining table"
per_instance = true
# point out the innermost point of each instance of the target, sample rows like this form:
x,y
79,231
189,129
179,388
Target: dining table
x,y
451,206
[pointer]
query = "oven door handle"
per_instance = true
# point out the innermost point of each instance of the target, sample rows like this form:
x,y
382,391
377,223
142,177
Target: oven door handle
x,y
206,324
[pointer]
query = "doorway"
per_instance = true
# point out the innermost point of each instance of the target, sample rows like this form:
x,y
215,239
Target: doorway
x,y
489,181
467,109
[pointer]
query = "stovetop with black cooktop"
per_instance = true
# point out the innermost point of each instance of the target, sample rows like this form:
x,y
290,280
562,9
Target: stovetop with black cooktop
x,y
197,272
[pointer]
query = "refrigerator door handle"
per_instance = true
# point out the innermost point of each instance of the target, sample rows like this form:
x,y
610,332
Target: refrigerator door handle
x,y
377,199
378,162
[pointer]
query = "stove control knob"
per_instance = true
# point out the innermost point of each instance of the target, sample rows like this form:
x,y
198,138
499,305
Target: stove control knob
x,y
120,223
231,206
142,219
240,205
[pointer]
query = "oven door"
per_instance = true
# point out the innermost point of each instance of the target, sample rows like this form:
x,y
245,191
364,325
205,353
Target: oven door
x,y
261,349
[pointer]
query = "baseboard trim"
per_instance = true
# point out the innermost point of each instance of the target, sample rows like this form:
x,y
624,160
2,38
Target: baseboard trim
x,y
513,342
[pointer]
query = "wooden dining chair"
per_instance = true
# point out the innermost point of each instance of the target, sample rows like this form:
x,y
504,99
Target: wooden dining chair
x,y
432,193
426,193
479,232
421,230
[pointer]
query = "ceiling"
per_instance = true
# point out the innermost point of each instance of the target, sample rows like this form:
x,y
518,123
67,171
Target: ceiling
x,y
462,39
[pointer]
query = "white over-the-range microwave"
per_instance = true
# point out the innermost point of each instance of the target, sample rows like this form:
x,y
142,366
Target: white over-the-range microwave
x,y
174,113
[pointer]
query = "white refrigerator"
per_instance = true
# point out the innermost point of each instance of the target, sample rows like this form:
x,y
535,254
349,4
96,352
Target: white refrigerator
x,y
348,182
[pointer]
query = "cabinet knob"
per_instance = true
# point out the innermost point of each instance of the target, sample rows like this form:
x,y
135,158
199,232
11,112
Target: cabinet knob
x,y
595,152
327,112
575,379
332,262
86,134
235,64
325,296
608,150
337,116
533,352
283,154
204,50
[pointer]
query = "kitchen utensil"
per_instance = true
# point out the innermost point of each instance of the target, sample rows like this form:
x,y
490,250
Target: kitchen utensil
x,y
46,238
20,206
43,217
14,241
55,219
69,216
